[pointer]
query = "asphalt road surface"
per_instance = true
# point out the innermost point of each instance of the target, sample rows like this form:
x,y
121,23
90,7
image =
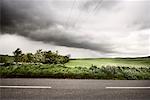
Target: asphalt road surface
x,y
68,89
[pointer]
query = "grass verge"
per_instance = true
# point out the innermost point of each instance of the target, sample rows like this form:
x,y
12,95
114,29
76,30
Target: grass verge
x,y
61,71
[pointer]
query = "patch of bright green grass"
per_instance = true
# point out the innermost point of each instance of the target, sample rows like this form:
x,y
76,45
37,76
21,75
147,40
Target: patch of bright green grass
x,y
139,62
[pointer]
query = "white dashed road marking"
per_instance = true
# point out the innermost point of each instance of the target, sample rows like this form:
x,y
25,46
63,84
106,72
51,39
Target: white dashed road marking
x,y
27,87
127,87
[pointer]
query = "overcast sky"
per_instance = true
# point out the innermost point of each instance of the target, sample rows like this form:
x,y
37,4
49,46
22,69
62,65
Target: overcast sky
x,y
82,28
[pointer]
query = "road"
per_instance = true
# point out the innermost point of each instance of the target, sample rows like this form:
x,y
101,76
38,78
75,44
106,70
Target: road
x,y
68,89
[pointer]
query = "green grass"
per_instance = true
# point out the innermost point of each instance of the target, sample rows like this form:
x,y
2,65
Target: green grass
x,y
100,68
130,62
61,71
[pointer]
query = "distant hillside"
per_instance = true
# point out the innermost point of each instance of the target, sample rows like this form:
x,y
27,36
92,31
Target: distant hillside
x,y
110,58
146,57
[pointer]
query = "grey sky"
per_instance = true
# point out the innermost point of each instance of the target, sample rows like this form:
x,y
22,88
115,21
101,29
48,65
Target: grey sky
x,y
82,28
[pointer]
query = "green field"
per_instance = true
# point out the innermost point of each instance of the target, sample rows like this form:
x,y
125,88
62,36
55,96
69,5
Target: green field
x,y
130,62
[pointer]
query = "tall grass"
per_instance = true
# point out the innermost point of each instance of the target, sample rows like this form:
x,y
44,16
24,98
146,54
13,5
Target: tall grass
x,y
61,71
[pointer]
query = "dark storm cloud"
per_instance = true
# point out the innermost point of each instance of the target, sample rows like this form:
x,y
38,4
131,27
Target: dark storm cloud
x,y
30,19
21,17
69,40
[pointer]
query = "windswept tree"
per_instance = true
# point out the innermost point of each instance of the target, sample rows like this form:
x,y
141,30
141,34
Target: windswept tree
x,y
49,57
39,56
23,58
17,55
55,58
30,57
45,57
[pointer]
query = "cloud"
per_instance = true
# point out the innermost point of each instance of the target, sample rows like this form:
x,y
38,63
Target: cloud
x,y
9,43
23,16
95,5
136,43
20,18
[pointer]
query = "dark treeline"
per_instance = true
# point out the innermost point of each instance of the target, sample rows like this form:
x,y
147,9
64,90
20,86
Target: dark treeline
x,y
45,57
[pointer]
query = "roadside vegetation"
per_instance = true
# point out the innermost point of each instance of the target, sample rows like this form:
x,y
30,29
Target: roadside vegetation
x,y
48,64
61,71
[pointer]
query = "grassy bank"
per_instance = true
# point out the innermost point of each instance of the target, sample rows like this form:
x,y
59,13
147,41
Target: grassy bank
x,y
61,71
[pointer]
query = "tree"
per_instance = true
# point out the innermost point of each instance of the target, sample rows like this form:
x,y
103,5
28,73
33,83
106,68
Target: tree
x,y
39,56
49,57
23,58
55,58
30,57
17,55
